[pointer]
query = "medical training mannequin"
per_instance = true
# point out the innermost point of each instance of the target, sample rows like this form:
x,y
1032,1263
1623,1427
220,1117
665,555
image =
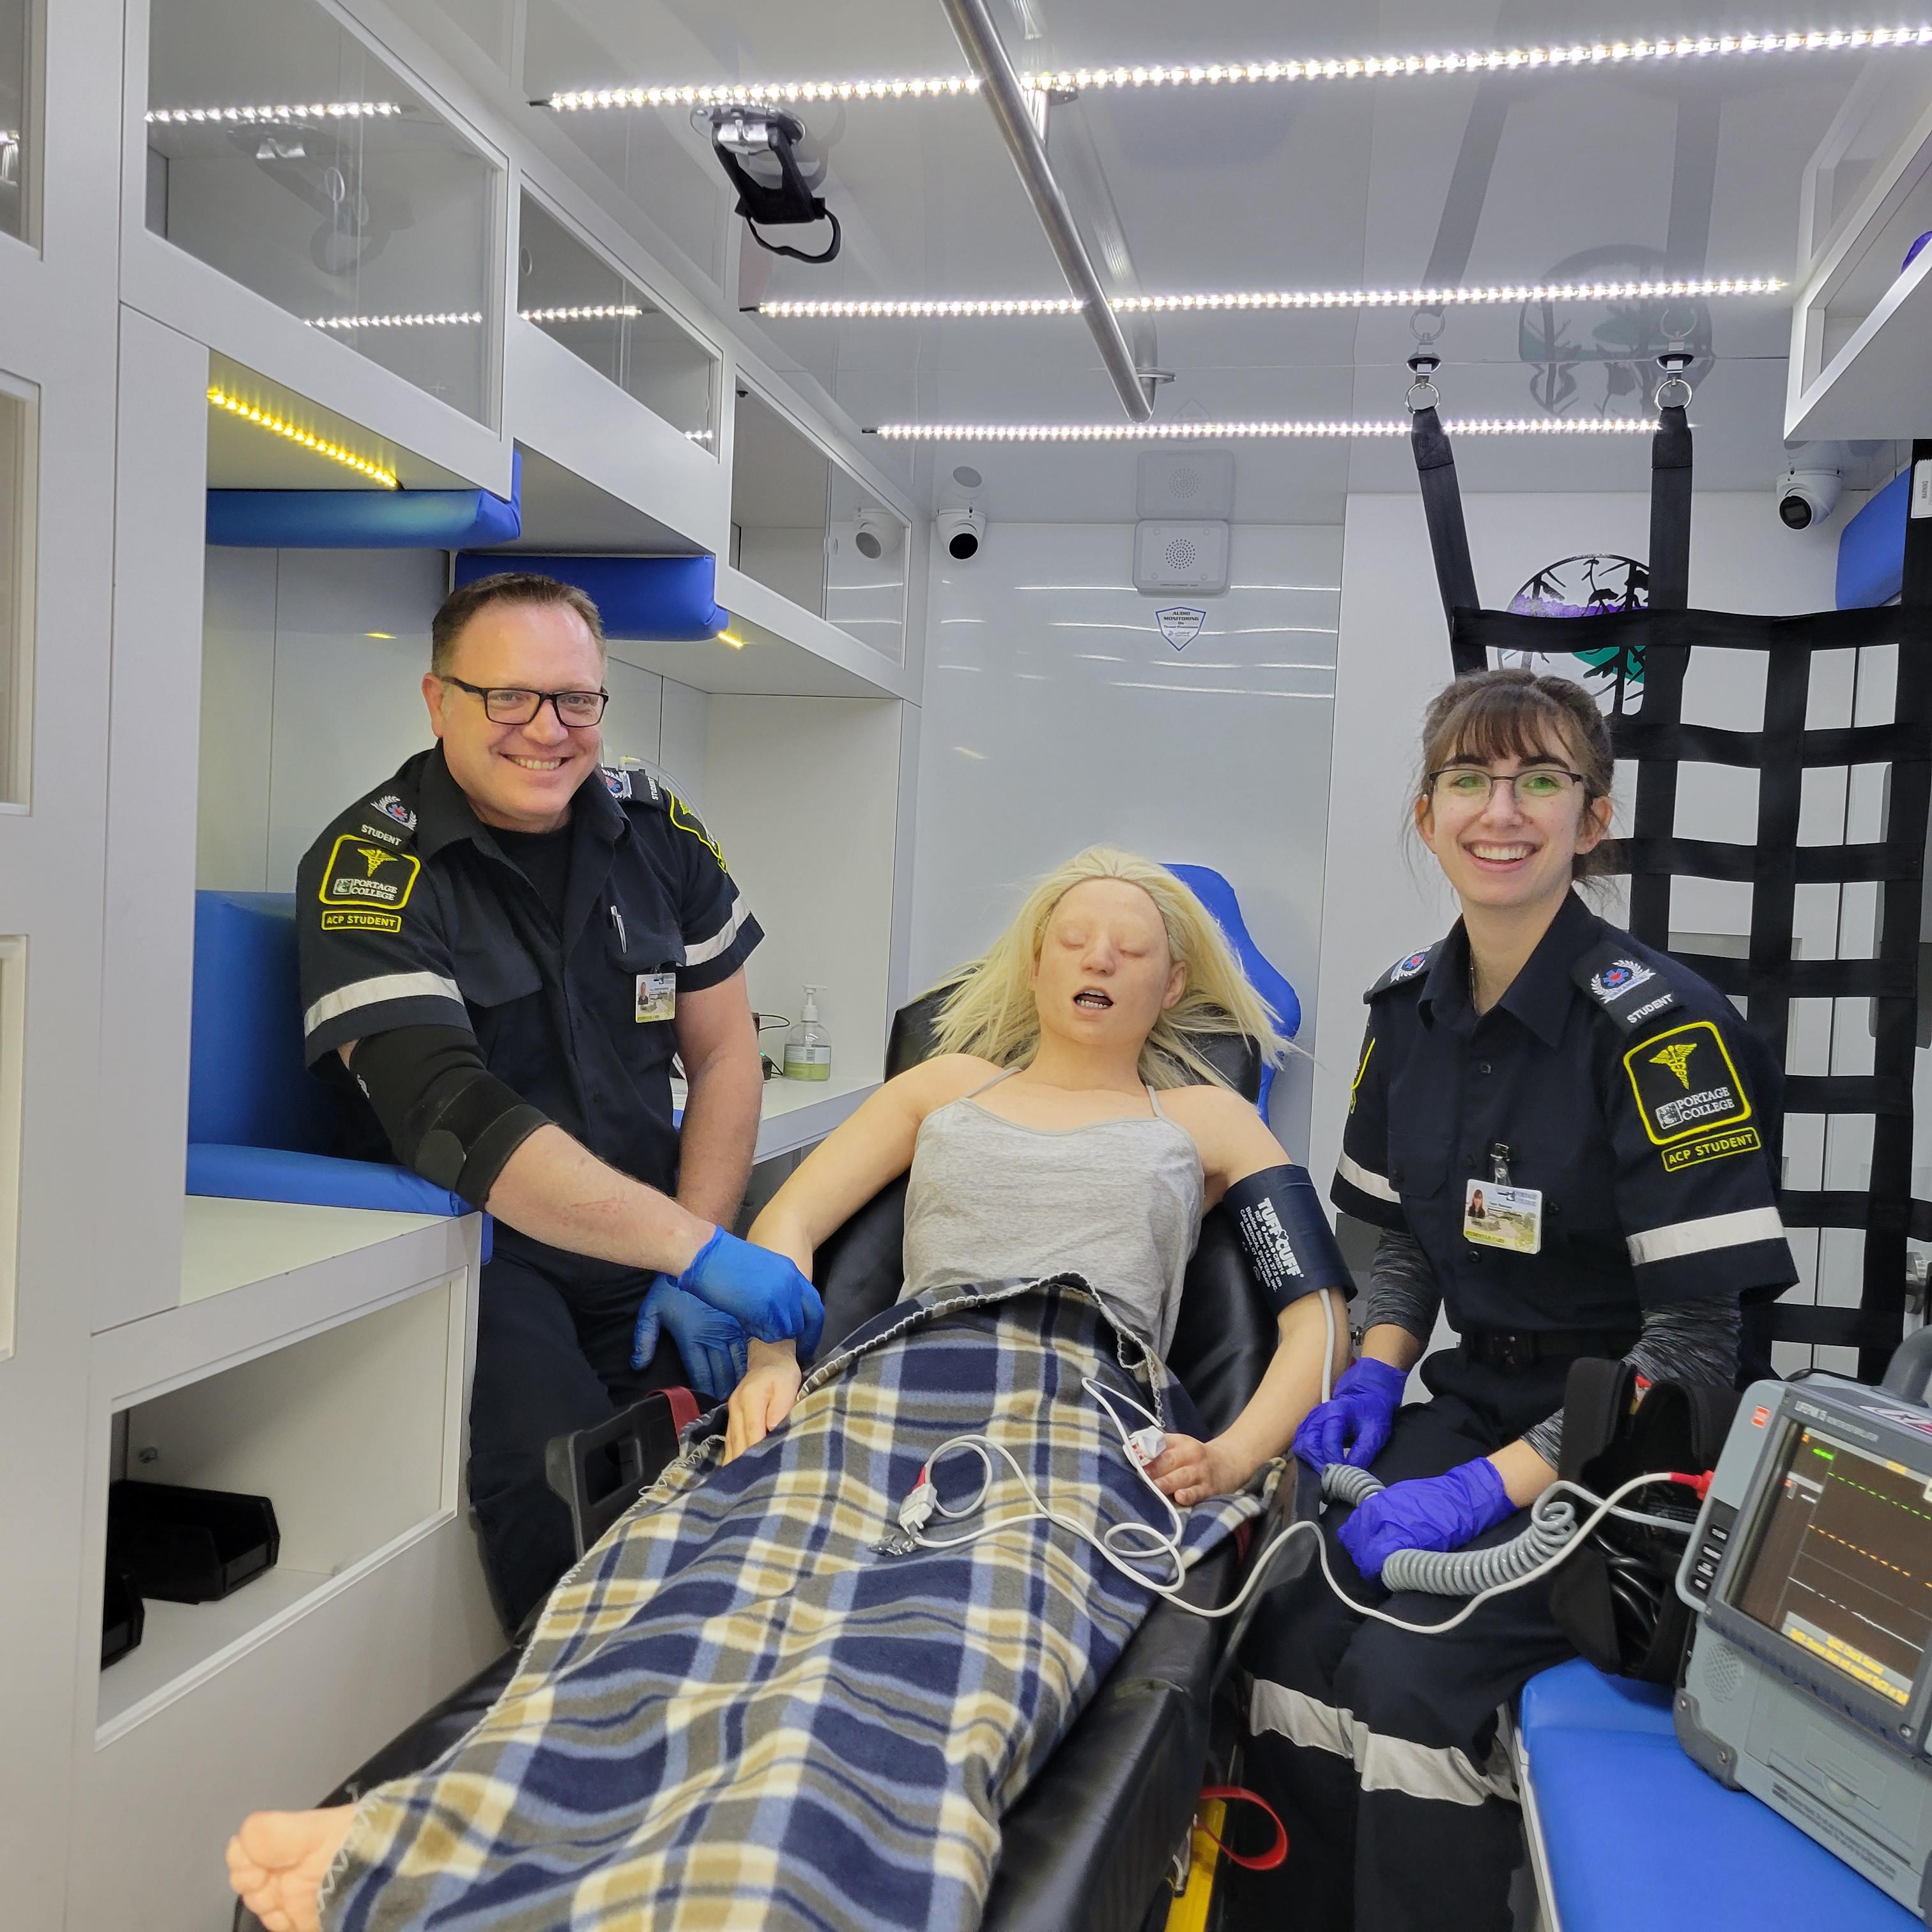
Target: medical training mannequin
x,y
1101,992
1564,1136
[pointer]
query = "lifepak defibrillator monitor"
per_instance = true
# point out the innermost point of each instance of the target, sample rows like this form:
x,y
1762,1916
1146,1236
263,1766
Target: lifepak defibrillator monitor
x,y
1810,1684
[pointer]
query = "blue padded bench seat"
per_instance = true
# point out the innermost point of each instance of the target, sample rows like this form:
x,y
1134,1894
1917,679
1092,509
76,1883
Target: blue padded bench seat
x,y
1636,1838
258,1124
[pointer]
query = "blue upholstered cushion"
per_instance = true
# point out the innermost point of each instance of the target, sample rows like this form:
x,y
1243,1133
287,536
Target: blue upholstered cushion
x,y
1637,1839
1212,888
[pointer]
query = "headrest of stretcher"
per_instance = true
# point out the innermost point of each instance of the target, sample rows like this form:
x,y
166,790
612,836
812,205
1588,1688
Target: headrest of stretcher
x,y
1224,1336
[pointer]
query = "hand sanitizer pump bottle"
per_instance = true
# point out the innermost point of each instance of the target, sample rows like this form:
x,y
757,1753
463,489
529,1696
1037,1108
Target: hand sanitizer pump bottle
x,y
808,1050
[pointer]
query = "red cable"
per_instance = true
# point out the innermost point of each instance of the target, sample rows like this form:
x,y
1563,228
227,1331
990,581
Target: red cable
x,y
1239,1794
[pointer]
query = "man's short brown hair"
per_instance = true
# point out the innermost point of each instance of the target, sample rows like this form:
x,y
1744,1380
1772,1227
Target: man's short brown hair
x,y
507,586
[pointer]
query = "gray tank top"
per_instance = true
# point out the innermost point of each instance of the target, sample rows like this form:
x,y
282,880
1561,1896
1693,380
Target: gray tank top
x,y
1117,1201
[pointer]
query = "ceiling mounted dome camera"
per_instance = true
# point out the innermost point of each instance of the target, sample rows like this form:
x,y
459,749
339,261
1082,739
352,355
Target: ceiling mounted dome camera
x,y
1807,496
878,534
962,528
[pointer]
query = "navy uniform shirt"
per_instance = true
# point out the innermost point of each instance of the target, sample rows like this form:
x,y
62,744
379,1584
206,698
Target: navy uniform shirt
x,y
1624,1087
408,913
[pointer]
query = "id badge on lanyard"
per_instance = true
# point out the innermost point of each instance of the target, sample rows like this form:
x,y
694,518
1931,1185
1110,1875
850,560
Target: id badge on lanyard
x,y
1496,1215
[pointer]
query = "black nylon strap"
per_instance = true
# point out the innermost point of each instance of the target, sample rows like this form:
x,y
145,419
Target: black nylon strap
x,y
1873,1332
1847,1093
1812,865
1448,535
1670,511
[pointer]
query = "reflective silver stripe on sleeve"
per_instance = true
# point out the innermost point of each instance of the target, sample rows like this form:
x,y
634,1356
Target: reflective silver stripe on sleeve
x,y
379,992
1700,1237
720,941
1443,1773
1358,1176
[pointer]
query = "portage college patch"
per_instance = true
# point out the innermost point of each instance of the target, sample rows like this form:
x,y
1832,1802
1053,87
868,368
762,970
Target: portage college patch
x,y
1694,1104
364,887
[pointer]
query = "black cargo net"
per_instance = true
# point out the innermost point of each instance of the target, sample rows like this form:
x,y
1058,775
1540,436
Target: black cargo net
x,y
1661,640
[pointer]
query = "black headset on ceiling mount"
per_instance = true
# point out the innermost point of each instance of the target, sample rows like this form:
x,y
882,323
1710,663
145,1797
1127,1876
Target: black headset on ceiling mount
x,y
740,133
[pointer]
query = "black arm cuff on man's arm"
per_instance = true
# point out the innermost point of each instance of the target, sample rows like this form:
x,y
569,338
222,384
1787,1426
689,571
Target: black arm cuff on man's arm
x,y
446,1114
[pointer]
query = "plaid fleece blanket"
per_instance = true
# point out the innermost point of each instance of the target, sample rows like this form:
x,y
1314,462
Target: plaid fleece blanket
x,y
740,1710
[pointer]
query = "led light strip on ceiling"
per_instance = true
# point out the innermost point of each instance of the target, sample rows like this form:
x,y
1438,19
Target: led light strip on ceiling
x,y
965,307
275,425
1216,74
454,319
1210,432
314,110
604,312
461,318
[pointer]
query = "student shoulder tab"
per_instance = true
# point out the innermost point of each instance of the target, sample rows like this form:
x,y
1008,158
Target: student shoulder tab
x,y
1411,966
1632,991
631,786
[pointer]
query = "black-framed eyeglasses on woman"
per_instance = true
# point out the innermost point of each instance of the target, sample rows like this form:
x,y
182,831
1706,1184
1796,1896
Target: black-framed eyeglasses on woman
x,y
507,704
1470,784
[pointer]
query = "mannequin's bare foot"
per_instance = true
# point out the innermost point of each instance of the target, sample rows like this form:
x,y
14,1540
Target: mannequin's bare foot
x,y
276,1862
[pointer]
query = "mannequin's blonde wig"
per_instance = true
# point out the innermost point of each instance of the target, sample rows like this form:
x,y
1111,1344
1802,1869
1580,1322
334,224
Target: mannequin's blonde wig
x,y
990,1011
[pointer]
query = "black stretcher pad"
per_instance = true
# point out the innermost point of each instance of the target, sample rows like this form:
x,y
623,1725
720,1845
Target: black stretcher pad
x,y
1088,1847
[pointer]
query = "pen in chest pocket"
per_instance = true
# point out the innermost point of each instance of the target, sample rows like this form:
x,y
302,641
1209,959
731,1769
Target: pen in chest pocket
x,y
617,920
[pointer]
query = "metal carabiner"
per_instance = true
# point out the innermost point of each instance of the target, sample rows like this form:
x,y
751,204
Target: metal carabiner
x,y
1422,393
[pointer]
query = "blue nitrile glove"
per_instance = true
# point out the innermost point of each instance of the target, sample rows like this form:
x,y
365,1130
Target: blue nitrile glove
x,y
1354,1422
1431,1513
710,1341
766,1291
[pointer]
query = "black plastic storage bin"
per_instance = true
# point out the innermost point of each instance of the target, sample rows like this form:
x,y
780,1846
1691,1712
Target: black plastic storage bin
x,y
189,1546
122,1617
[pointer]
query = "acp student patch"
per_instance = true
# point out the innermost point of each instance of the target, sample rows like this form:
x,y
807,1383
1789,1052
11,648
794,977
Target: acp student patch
x,y
1687,1089
365,886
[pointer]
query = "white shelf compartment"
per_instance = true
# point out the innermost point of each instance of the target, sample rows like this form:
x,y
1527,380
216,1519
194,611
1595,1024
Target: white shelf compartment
x,y
333,1378
1860,326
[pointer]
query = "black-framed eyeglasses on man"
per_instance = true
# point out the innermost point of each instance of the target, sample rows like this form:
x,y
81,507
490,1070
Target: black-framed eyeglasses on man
x,y
508,704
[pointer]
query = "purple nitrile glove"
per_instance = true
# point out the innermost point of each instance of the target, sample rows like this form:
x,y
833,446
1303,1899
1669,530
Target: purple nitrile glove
x,y
1431,1513
771,1299
709,1342
1354,1422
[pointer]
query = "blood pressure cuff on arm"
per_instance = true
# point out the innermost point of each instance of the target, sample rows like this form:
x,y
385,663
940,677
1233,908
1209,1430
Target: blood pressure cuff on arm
x,y
446,1114
1291,1248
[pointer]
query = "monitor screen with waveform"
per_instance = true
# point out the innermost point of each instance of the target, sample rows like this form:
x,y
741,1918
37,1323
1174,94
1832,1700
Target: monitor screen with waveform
x,y
1841,1565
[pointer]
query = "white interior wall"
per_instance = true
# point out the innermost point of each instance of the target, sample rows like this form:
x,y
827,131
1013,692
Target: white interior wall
x,y
803,795
1056,716
312,666
1387,899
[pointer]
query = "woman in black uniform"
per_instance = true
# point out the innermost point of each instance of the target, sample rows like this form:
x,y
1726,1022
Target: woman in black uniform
x,y
1610,1112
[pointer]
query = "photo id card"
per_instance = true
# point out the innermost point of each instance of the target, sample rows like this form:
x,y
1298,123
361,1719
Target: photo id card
x,y
657,997
1496,1217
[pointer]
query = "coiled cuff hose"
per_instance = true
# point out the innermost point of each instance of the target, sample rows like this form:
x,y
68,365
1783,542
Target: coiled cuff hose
x,y
1460,1573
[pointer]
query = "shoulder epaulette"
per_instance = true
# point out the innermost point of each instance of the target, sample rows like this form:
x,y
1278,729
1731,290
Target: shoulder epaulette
x,y
1411,967
385,815
631,785
1632,991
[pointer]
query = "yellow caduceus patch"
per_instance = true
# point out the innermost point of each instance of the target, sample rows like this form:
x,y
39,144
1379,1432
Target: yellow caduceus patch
x,y
685,819
357,875
1677,1059
1685,1084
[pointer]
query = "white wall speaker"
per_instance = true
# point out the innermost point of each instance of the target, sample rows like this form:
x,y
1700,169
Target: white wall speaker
x,y
1180,556
1186,483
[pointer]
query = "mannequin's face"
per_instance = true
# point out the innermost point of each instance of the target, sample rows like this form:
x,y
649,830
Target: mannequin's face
x,y
1104,974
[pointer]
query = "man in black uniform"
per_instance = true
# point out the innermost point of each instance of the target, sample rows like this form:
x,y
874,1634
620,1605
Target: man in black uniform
x,y
502,946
